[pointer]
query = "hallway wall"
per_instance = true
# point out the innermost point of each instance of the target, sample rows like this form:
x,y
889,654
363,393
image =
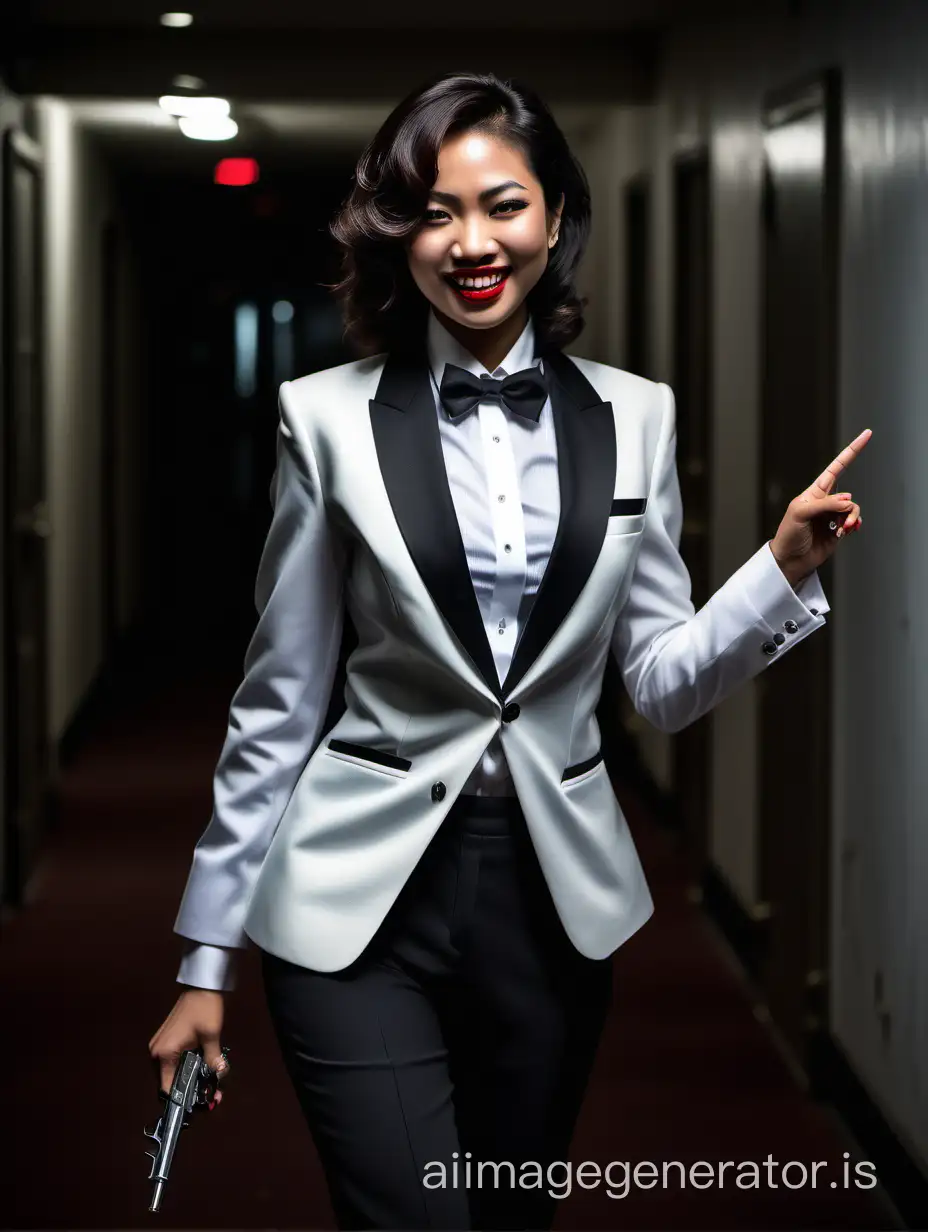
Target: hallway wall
x,y
712,87
79,199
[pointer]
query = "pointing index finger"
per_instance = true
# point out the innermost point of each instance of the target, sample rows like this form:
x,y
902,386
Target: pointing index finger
x,y
826,480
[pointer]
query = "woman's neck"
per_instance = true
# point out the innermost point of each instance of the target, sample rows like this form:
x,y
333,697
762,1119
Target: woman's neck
x,y
488,346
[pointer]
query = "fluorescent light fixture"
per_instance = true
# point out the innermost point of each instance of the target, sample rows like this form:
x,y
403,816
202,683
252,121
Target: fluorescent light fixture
x,y
208,127
180,105
177,21
186,81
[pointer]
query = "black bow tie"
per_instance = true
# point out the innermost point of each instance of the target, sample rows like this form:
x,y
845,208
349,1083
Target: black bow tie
x,y
525,392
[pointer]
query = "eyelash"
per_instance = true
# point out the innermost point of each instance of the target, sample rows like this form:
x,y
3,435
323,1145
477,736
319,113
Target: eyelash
x,y
512,201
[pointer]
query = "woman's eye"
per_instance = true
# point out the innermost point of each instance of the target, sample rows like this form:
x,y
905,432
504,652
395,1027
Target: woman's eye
x,y
430,213
519,205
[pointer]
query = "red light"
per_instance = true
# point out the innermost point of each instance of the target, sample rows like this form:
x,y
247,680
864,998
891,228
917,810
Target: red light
x,y
236,171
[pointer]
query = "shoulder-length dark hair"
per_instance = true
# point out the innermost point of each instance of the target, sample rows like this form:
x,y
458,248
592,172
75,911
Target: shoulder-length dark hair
x,y
382,307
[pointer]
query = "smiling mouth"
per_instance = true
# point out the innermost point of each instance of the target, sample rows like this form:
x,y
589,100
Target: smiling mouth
x,y
479,286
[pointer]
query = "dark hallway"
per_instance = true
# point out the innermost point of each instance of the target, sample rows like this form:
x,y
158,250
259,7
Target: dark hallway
x,y
758,177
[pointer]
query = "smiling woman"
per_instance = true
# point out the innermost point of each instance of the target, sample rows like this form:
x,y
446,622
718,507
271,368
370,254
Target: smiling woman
x,y
437,879
468,200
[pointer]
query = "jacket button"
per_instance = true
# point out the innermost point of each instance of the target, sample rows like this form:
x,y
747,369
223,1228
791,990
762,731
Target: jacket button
x,y
770,648
790,626
511,711
779,638
438,791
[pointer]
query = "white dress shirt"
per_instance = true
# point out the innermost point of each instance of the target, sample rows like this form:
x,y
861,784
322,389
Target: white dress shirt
x,y
502,472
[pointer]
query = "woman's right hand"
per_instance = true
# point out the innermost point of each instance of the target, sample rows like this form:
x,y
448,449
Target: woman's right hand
x,y
194,1022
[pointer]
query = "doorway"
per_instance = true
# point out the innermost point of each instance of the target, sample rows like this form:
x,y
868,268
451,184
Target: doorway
x,y
799,330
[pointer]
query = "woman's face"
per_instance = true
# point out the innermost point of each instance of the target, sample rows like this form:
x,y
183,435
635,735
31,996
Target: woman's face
x,y
484,239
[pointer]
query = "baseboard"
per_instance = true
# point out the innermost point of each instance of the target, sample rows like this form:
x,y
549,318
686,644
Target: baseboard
x,y
744,934
900,1174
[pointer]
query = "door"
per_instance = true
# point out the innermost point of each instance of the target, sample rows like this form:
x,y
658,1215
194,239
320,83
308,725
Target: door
x,y
26,526
800,250
692,350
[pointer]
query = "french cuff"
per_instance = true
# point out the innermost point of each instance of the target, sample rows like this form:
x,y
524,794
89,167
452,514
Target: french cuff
x,y
208,966
789,614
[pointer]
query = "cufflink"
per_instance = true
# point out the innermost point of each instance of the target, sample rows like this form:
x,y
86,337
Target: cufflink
x,y
790,626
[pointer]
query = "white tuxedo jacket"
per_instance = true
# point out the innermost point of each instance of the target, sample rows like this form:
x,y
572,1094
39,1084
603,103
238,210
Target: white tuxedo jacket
x,y
314,832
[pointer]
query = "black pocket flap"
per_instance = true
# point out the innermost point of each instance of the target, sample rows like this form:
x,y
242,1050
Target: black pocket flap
x,y
376,755
629,504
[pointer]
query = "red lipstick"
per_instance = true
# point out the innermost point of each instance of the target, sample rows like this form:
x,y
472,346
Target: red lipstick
x,y
480,294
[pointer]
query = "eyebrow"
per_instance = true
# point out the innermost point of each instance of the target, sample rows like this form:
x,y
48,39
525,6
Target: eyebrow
x,y
451,199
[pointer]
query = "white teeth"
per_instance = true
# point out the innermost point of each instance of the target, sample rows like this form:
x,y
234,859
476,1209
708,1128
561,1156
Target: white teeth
x,y
477,284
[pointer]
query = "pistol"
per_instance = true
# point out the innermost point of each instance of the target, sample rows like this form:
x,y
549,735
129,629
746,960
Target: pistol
x,y
193,1086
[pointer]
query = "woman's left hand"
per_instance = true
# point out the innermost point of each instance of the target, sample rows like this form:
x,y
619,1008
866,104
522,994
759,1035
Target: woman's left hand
x,y
804,539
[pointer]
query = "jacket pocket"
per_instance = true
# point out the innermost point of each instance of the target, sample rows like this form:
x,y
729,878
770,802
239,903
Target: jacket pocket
x,y
582,770
625,524
371,758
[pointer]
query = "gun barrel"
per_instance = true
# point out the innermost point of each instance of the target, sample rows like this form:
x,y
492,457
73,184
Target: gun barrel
x,y
156,1196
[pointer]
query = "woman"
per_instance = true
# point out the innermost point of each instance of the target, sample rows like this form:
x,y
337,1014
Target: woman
x,y
437,871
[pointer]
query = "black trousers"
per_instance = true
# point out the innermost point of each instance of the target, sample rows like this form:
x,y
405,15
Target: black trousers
x,y
465,1032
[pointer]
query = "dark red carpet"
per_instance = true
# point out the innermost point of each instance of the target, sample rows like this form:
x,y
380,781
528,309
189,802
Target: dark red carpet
x,y
685,1072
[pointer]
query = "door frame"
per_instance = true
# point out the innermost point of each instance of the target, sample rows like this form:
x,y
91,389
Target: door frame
x,y
692,747
21,842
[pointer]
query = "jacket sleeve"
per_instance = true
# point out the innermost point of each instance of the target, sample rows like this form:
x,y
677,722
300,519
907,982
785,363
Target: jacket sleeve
x,y
276,713
678,663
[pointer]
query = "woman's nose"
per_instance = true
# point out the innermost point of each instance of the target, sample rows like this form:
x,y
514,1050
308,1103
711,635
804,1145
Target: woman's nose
x,y
474,243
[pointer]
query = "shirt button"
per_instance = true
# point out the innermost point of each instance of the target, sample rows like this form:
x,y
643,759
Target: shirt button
x,y
814,611
500,498
438,791
770,648
790,626
507,547
496,438
779,638
511,711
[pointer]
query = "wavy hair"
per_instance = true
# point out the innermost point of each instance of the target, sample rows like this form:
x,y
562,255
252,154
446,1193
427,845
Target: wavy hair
x,y
382,307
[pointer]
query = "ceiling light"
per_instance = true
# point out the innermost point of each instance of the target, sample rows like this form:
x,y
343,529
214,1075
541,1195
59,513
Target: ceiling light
x,y
208,127
186,81
181,105
177,20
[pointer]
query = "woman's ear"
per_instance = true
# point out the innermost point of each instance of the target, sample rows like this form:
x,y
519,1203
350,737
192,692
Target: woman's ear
x,y
554,229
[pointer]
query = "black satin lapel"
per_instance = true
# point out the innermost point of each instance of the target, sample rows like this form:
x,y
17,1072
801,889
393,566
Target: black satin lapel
x,y
408,443
585,432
